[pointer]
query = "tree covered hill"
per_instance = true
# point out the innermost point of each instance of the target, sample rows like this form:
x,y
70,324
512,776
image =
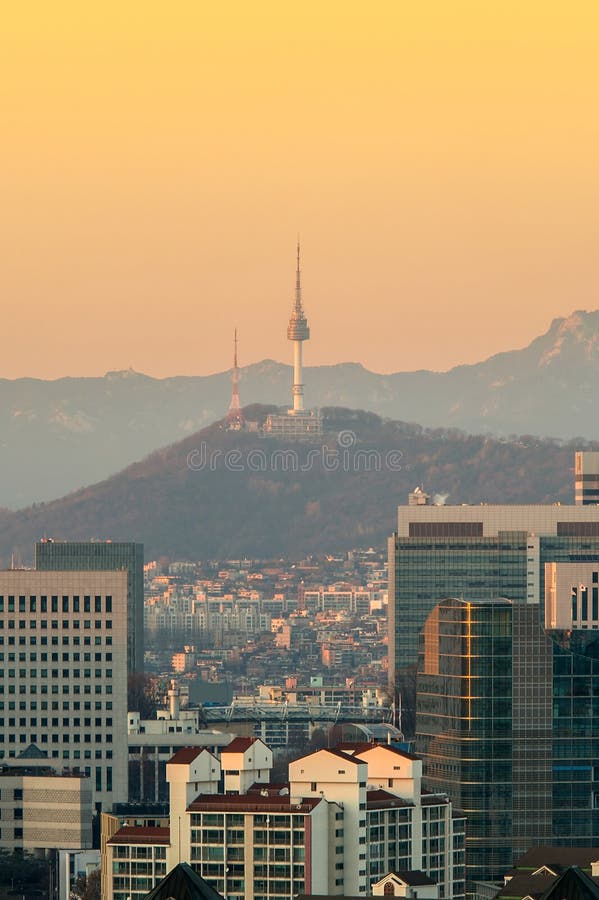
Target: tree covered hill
x,y
220,494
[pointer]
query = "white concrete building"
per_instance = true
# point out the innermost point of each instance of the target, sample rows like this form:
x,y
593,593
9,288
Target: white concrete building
x,y
246,761
137,862
410,829
341,779
572,596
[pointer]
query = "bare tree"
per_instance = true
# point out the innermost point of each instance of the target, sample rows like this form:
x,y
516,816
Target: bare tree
x,y
87,887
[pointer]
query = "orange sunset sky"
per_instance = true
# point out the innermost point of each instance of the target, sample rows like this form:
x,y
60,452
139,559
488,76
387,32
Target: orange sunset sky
x,y
439,159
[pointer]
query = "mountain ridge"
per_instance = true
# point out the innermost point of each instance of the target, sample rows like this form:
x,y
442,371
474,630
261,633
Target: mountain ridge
x,y
58,435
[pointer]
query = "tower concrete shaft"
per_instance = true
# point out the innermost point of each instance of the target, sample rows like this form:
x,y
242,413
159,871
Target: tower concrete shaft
x,y
298,332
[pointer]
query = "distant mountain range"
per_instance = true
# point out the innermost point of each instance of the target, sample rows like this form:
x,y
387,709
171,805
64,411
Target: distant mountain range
x,y
220,494
56,436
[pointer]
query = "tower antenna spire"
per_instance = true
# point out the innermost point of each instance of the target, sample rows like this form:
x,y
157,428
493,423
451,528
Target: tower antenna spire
x,y
298,283
235,419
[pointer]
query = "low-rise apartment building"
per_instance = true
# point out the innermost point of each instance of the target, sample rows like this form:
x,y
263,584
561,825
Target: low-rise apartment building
x,y
345,818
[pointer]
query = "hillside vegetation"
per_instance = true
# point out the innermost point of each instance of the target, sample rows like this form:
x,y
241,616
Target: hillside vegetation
x,y
266,498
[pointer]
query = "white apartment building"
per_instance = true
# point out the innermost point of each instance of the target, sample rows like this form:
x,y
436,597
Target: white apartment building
x,y
197,615
422,833
63,664
333,599
345,818
137,862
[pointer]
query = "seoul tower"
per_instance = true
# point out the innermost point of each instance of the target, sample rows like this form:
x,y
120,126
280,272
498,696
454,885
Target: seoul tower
x,y
298,332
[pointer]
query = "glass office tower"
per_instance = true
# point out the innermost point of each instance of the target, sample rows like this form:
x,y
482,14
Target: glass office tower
x,y
484,718
476,553
76,556
508,725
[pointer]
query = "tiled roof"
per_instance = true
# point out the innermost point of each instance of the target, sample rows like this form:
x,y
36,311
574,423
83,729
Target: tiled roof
x,y
383,799
541,882
239,745
346,757
251,803
184,884
130,834
186,755
525,884
563,856
414,877
429,799
572,884
390,749
336,896
274,789
354,746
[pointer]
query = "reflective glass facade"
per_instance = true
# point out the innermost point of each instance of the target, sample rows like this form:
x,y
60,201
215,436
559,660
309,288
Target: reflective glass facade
x,y
464,722
575,782
508,726
476,553
424,570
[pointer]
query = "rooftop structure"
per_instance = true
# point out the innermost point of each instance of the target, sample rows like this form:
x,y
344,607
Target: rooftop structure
x,y
547,871
414,885
287,722
183,883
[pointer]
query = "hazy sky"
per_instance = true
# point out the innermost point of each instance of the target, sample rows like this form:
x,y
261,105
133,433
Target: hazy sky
x,y
439,159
